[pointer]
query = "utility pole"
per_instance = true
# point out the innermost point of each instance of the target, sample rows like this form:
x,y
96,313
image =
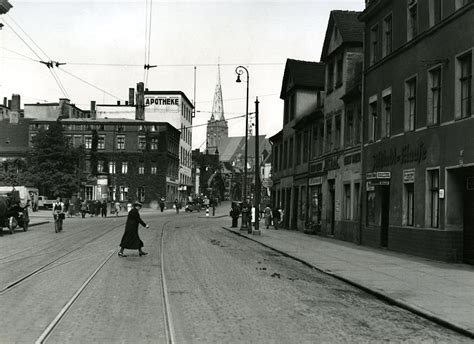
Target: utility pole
x,y
256,231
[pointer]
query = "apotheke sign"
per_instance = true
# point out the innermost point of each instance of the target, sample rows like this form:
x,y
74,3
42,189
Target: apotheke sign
x,y
165,102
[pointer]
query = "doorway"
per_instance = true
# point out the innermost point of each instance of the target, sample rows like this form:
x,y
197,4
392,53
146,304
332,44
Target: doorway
x,y
332,205
385,214
468,230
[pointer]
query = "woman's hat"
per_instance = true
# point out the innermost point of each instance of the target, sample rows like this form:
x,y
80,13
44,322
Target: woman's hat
x,y
139,204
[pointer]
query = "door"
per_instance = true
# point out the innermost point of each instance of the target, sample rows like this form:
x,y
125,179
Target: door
x,y
385,214
468,237
332,205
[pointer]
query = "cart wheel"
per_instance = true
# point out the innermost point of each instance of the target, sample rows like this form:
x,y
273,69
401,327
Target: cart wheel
x,y
12,223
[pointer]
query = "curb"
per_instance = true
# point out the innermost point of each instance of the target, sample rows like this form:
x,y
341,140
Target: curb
x,y
37,223
415,310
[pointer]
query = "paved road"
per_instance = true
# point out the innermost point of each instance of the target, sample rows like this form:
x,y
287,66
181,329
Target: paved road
x,y
222,288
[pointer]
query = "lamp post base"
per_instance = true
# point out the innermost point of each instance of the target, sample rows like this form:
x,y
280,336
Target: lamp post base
x,y
256,232
244,226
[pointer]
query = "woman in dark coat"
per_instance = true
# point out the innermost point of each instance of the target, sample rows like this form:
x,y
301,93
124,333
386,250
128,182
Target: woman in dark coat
x,y
130,239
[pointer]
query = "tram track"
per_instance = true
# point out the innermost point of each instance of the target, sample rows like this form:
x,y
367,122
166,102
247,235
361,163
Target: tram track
x,y
69,305
41,268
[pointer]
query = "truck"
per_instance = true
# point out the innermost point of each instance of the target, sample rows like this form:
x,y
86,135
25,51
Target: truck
x,y
44,203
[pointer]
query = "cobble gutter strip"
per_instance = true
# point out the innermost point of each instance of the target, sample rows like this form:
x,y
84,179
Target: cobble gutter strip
x,y
415,310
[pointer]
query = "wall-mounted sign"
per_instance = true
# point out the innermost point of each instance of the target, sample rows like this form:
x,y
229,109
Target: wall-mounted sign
x,y
315,181
409,176
408,153
383,175
162,102
371,175
441,193
370,187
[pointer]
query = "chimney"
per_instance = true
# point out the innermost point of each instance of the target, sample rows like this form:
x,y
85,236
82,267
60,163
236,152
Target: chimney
x,y
15,109
5,101
93,113
140,108
118,102
131,96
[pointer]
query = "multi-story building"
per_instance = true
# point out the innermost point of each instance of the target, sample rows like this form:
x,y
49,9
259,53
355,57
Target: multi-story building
x,y
125,159
418,155
336,158
171,107
302,92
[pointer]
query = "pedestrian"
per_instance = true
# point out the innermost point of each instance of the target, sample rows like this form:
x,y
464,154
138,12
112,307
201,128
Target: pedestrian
x,y
213,205
98,207
104,208
83,208
276,218
176,206
117,208
130,239
267,214
162,204
234,213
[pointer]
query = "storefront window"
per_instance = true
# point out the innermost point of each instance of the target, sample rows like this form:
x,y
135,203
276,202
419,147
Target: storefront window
x,y
371,219
316,203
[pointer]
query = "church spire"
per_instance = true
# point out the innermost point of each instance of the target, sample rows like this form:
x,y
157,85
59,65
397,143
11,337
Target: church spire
x,y
218,104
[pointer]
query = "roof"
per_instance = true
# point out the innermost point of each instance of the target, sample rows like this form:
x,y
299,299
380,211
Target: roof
x,y
348,25
302,74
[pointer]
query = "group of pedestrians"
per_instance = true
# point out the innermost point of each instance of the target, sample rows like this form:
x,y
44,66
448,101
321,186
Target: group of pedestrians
x,y
273,217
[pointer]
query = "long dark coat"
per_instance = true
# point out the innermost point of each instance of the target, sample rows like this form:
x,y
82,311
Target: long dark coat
x,y
130,239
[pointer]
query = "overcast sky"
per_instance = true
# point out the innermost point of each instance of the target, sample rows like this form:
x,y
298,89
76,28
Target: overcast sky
x,y
104,44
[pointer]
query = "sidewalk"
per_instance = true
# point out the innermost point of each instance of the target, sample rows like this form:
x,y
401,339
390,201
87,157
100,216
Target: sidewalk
x,y
439,291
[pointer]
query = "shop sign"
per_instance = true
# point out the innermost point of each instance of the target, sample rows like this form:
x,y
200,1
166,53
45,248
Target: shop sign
x,y
383,175
162,102
315,181
370,187
371,175
406,154
409,176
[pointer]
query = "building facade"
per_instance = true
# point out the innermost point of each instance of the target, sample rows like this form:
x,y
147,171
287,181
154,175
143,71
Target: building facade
x,y
125,159
418,155
337,162
302,92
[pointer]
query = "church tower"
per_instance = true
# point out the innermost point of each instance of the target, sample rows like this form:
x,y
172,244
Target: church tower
x,y
217,129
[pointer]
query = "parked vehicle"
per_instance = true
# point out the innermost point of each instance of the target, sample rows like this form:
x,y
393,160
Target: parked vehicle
x,y
192,206
44,203
12,213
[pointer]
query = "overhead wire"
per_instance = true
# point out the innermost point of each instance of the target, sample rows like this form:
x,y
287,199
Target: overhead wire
x,y
54,75
149,41
146,38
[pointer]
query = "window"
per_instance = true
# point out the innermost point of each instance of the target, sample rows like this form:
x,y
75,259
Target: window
x,y
409,205
281,158
387,36
77,141
464,85
434,96
123,193
410,104
285,155
435,12
349,136
328,134
89,192
112,167
386,114
371,206
373,118
374,32
339,69
337,139
88,142
412,19
154,143
141,168
292,106
347,201
141,142
356,201
305,146
141,193
291,153
101,142
112,191
330,84
433,192
124,167
121,142
298,148
321,136
100,166
154,168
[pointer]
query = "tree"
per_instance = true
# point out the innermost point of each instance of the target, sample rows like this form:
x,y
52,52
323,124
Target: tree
x,y
54,166
12,172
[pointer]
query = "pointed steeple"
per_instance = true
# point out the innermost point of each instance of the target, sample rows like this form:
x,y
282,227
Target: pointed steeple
x,y
218,104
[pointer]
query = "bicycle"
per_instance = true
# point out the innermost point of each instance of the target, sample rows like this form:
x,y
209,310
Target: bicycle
x,y
58,221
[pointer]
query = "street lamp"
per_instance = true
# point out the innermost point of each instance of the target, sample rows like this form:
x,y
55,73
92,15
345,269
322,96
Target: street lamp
x,y
244,226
